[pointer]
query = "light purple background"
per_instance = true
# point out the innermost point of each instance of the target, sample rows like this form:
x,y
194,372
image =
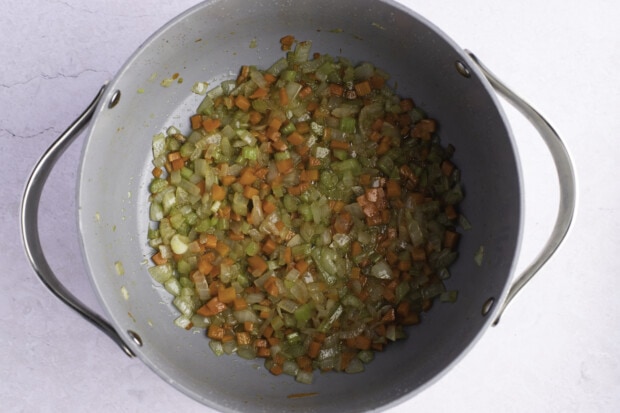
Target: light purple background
x,y
557,348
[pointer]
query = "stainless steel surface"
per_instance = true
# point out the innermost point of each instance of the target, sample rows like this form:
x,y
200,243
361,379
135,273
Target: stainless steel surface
x,y
30,230
566,181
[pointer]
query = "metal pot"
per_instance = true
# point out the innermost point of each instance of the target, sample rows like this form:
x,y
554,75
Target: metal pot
x,y
209,43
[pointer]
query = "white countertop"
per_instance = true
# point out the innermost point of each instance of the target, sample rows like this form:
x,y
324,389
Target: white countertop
x,y
557,348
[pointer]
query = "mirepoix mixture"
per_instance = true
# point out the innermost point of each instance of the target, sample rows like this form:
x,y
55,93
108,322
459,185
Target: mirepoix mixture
x,y
307,218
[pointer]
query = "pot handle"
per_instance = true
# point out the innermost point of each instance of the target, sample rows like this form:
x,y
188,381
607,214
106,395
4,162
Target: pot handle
x,y
30,229
566,178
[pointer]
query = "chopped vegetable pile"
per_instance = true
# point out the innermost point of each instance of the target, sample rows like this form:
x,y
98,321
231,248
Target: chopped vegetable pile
x,y
308,217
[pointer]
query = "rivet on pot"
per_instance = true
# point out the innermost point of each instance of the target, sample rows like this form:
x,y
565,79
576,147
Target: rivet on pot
x,y
462,69
488,304
135,337
116,97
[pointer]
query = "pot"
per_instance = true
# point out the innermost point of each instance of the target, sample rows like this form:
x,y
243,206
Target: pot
x,y
209,43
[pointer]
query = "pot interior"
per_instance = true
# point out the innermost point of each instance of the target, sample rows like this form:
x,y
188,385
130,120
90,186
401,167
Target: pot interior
x,y
209,43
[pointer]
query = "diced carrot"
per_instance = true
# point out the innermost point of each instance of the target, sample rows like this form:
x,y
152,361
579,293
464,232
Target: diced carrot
x,y
302,127
450,212
343,223
243,74
157,172
210,125
418,254
158,259
450,239
404,265
261,342
304,92
309,175
391,257
339,145
345,359
385,216
303,150
280,225
376,82
227,295
202,186
295,138
243,338
269,246
239,303
224,212
447,167
285,166
283,96
314,349
268,331
389,295
312,106
228,180
355,273
288,254
403,308
381,330
242,103
271,287
384,145
406,105
218,193
362,342
269,207
336,205
247,177
276,370
255,117
304,363
216,305
365,179
389,316
356,248
362,88
210,241
301,266
263,352
248,326
377,125
269,78
286,42
392,189
205,264
336,89
215,332
275,124
279,145
196,121
259,93
257,265
298,189
178,164
172,156
250,191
